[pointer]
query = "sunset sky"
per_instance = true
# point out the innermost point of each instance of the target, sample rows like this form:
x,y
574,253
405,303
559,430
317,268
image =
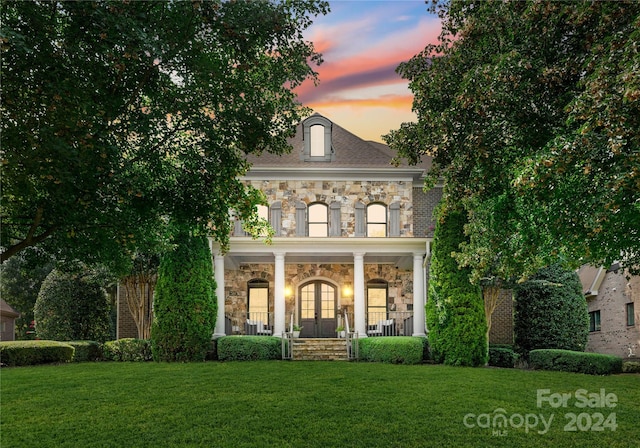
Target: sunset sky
x,y
362,42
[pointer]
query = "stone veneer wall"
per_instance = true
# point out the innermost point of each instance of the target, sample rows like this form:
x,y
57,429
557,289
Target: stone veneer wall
x,y
348,193
615,337
400,284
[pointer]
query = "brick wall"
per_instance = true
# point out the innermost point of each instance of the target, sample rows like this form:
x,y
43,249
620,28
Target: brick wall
x,y
502,320
126,327
424,204
615,337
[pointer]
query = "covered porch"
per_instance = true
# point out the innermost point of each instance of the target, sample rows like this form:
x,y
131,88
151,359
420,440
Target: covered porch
x,y
375,285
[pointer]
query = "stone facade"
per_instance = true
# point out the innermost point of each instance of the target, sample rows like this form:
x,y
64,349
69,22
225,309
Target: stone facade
x,y
347,193
615,337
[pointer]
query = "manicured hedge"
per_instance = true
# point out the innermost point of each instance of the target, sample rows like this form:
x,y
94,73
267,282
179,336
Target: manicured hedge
x,y
579,362
249,348
28,353
86,350
502,356
128,349
631,367
396,350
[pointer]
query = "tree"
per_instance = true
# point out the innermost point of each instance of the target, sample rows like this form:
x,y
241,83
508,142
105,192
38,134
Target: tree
x,y
530,111
185,304
117,115
551,312
139,286
73,306
20,283
455,311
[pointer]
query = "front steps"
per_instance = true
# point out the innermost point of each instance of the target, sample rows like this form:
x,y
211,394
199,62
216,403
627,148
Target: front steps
x,y
329,349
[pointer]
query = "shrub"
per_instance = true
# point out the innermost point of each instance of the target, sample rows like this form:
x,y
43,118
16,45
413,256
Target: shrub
x,y
184,304
502,356
455,309
86,351
28,353
572,361
249,348
551,312
73,307
631,367
396,350
128,349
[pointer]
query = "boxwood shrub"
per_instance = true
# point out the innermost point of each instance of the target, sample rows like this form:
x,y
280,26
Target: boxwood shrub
x,y
571,361
502,356
28,353
128,349
396,350
631,367
86,350
249,348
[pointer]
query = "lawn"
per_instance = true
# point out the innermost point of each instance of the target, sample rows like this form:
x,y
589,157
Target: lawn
x,y
311,404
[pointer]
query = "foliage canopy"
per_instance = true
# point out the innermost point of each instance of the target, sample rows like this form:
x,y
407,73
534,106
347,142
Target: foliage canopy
x,y
531,111
118,116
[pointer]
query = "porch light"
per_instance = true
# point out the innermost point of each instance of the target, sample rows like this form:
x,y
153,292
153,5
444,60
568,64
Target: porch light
x,y
347,291
288,292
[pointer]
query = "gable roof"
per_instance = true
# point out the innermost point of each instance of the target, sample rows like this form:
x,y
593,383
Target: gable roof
x,y
350,151
7,310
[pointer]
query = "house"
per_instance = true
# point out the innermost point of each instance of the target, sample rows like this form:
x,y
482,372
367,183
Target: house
x,y
613,301
351,247
8,317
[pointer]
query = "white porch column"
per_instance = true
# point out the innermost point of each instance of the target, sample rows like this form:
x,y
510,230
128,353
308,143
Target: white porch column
x,y
419,296
218,271
279,306
359,307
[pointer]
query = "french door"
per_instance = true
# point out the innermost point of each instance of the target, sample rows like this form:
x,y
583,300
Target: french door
x,y
317,305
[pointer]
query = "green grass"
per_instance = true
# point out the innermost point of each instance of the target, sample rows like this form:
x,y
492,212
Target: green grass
x,y
294,404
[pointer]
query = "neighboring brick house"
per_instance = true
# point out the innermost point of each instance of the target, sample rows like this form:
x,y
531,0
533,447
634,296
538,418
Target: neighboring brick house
x,y
352,237
613,300
8,316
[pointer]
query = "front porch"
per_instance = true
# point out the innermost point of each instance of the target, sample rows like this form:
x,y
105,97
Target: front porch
x,y
378,284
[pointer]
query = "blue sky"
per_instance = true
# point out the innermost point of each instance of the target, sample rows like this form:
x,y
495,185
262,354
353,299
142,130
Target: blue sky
x,y
362,42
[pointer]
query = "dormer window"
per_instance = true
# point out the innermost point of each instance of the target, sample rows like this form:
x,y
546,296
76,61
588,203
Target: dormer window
x,y
317,140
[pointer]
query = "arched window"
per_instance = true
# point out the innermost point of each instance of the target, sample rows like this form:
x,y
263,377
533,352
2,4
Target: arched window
x,y
376,220
317,140
318,221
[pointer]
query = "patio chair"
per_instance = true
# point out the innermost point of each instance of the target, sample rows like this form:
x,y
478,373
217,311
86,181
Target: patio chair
x,y
257,327
382,328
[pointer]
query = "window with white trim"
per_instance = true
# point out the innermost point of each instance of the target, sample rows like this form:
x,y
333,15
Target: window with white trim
x,y
376,220
318,220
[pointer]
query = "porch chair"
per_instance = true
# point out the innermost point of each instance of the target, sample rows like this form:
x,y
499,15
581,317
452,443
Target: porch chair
x,y
382,328
257,327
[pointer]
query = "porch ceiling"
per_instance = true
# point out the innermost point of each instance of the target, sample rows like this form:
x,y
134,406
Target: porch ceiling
x,y
396,251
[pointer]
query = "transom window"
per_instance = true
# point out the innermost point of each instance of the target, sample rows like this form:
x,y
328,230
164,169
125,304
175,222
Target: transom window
x,y
318,220
376,220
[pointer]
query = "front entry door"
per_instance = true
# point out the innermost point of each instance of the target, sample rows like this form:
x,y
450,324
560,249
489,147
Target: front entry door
x,y
318,310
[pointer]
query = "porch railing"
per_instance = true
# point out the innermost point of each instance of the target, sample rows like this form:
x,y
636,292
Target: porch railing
x,y
254,324
390,323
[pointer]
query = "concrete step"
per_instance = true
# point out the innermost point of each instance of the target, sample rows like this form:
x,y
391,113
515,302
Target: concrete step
x,y
319,349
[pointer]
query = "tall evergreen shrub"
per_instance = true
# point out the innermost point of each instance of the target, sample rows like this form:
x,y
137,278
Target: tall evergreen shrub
x,y
73,306
455,310
184,305
551,312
